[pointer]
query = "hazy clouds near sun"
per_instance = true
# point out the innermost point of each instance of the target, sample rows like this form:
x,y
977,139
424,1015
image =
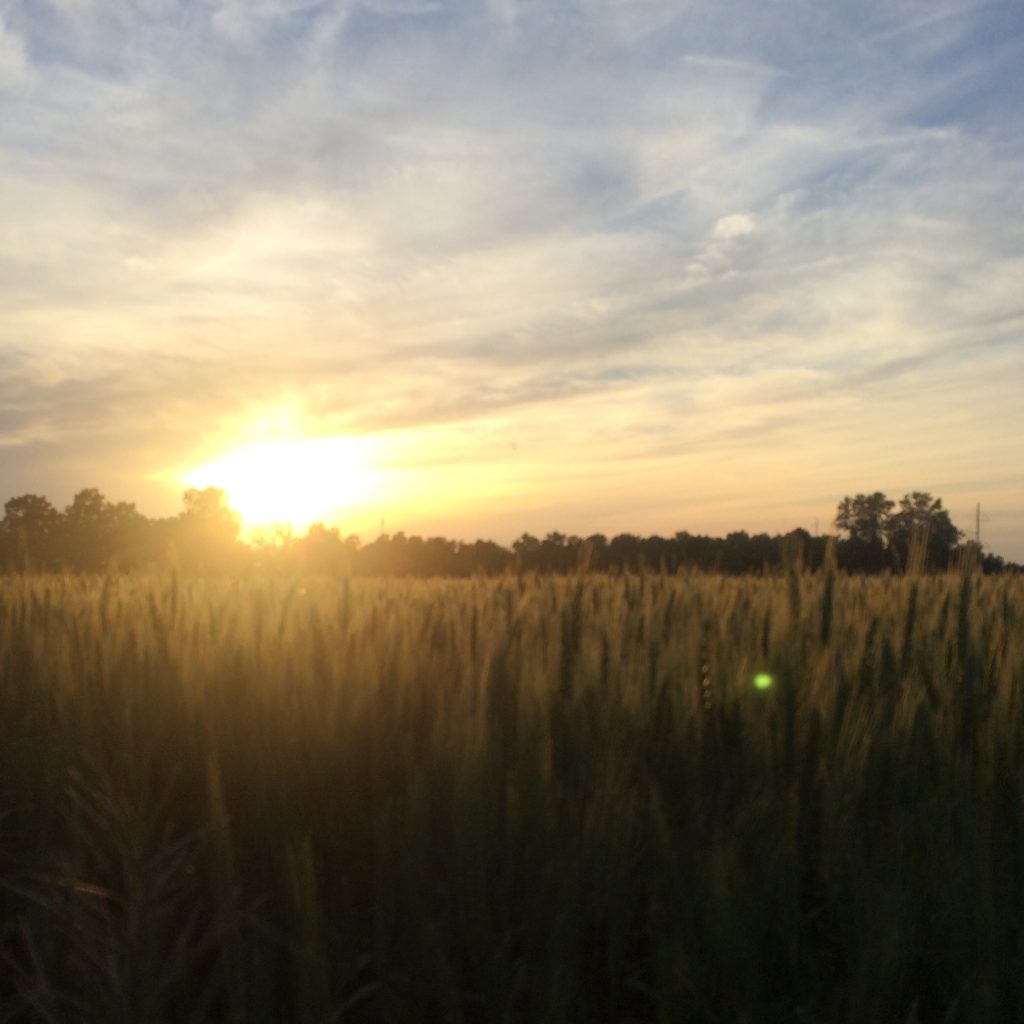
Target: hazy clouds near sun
x,y
599,265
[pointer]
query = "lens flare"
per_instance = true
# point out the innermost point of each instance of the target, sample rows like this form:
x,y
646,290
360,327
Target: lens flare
x,y
763,681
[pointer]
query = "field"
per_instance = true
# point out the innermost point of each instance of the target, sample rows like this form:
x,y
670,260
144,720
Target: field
x,y
523,799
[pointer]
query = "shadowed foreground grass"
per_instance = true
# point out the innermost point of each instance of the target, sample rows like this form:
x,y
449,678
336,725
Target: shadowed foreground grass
x,y
514,800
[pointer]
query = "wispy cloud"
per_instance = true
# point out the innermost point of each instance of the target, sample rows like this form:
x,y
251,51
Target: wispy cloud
x,y
14,65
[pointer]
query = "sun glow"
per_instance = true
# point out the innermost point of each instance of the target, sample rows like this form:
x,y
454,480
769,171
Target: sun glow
x,y
291,483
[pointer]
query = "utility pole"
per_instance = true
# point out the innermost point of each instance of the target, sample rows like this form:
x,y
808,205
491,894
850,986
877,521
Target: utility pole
x,y
977,524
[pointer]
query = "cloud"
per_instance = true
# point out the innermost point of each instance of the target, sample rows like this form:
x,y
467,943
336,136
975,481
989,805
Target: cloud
x,y
247,21
632,239
735,225
15,68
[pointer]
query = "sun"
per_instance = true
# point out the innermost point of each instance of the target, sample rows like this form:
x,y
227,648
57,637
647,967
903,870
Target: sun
x,y
293,483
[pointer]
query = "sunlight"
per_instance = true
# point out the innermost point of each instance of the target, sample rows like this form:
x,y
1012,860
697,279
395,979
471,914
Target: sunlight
x,y
291,483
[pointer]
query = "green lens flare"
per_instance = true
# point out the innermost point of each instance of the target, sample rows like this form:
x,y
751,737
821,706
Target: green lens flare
x,y
763,680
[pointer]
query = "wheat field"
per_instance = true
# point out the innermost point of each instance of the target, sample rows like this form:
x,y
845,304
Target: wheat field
x,y
538,799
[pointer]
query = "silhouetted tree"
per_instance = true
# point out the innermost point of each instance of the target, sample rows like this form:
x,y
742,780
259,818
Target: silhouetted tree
x,y
93,534
559,553
923,530
96,533
207,530
484,557
763,551
594,553
919,535
696,551
995,564
624,552
865,520
865,517
736,552
29,529
527,551
323,551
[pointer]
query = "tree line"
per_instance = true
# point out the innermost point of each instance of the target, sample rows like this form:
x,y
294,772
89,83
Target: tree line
x,y
93,534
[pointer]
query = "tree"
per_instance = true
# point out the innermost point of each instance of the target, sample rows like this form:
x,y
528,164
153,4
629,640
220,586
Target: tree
x,y
31,511
323,551
735,554
210,506
922,532
94,532
87,506
527,552
919,535
207,529
484,556
29,527
624,552
865,517
559,553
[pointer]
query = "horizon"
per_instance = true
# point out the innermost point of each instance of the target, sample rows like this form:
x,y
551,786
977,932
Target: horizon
x,y
479,269
273,532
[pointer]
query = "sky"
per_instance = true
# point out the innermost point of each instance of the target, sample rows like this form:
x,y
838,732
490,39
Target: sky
x,y
480,267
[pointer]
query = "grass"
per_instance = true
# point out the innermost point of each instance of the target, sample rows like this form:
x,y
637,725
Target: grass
x,y
525,799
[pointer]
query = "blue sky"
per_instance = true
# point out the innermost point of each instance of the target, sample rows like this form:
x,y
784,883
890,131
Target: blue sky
x,y
602,265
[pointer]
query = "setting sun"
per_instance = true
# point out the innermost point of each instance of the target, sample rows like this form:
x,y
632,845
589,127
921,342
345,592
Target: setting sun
x,y
294,483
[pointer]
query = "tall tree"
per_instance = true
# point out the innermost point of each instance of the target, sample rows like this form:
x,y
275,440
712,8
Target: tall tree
x,y
210,506
29,530
207,529
865,517
95,533
922,531
85,533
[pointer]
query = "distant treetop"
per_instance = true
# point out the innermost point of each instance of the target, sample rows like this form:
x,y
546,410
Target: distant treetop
x,y
95,535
